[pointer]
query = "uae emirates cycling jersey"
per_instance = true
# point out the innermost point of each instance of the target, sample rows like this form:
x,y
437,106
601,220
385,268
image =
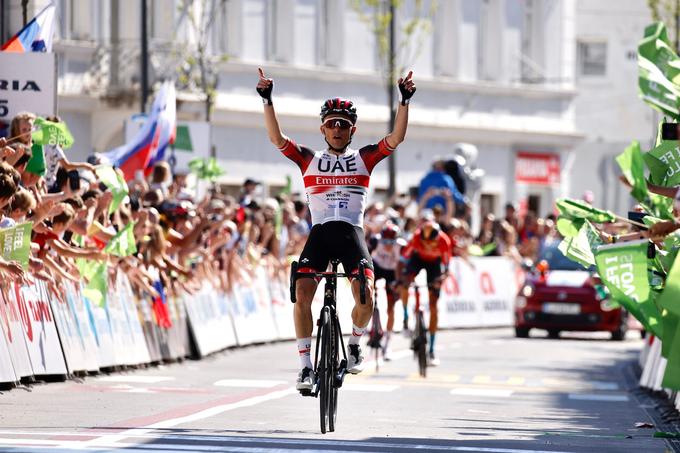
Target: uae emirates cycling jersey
x,y
336,186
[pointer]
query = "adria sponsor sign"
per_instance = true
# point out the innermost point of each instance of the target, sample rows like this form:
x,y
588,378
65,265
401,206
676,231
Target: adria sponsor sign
x,y
540,169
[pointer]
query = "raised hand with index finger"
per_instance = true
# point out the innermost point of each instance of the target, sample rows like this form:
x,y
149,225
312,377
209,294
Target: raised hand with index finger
x,y
406,88
264,88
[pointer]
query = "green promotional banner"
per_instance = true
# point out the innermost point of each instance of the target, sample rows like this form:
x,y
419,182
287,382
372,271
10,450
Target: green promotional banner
x,y
49,133
633,167
36,164
115,182
16,243
664,164
123,243
658,71
576,209
623,269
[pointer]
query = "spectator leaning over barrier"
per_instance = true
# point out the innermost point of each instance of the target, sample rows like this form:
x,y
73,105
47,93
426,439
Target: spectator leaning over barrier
x,y
55,158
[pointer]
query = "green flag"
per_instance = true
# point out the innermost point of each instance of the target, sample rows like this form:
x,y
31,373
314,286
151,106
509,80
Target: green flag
x,y
623,269
664,164
287,189
208,169
115,182
568,227
16,243
633,167
658,71
580,248
576,209
98,284
49,133
670,296
36,164
671,376
123,243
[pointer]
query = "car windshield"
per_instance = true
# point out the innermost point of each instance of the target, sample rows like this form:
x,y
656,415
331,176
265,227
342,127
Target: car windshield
x,y
557,261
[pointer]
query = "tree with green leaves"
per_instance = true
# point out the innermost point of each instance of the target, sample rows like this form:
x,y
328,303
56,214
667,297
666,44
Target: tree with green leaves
x,y
383,19
198,66
668,12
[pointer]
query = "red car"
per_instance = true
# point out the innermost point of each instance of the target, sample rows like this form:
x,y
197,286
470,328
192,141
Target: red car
x,y
559,295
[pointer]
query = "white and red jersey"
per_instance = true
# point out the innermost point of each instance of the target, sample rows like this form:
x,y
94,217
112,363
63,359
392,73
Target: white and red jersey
x,y
386,256
336,186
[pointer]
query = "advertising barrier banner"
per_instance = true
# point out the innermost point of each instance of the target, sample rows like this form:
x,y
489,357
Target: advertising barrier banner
x,y
40,332
12,322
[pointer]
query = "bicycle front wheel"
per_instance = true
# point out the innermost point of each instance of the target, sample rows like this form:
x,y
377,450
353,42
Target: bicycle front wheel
x,y
325,371
334,364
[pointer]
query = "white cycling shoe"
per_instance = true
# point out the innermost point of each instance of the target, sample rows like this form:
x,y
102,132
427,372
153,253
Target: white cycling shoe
x,y
304,380
355,361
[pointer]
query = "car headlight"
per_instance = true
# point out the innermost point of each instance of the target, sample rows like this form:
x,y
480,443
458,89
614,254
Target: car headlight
x,y
521,302
528,290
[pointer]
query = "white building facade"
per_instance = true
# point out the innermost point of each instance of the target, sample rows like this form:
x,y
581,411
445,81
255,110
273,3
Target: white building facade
x,y
495,73
608,109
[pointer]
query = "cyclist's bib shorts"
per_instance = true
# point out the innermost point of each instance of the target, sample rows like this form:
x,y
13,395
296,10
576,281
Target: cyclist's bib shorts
x,y
387,274
433,268
336,240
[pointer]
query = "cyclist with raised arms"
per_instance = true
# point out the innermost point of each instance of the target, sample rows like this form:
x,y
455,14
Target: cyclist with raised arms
x,y
336,184
429,249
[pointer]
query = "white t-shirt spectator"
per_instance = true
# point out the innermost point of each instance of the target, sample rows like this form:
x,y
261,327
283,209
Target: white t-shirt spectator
x,y
53,154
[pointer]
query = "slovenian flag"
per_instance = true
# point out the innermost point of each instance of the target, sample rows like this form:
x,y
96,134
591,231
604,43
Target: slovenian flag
x,y
36,36
157,133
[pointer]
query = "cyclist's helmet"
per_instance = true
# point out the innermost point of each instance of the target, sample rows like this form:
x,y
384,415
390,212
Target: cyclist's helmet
x,y
390,232
434,232
339,106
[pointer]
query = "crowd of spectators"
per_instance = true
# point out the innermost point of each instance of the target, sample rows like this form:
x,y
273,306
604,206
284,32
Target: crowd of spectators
x,y
183,241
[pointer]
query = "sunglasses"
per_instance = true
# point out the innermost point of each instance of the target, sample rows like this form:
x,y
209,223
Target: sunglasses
x,y
335,122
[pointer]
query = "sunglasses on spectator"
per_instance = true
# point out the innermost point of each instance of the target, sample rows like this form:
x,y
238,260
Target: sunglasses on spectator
x,y
336,122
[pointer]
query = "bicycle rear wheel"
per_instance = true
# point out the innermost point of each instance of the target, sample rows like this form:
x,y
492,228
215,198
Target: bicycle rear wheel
x,y
325,371
334,357
421,338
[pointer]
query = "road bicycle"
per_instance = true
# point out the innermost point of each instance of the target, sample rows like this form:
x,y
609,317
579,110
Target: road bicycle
x,y
329,369
419,337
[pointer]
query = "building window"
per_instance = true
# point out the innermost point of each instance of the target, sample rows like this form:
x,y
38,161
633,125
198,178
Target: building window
x,y
592,58
532,43
305,31
80,20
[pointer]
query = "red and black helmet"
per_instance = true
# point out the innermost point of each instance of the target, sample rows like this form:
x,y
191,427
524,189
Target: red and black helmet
x,y
339,106
390,232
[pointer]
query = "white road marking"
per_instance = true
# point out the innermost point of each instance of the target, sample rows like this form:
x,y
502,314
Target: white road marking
x,y
490,392
200,415
51,445
255,383
136,379
595,397
380,388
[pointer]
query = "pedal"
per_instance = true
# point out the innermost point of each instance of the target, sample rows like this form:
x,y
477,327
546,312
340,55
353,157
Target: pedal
x,y
342,372
306,392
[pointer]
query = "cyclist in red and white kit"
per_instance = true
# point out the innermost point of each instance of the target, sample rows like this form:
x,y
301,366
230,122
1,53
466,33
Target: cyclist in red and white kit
x,y
336,181
386,254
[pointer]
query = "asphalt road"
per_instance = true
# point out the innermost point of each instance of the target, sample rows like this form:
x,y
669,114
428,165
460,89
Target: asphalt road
x,y
492,393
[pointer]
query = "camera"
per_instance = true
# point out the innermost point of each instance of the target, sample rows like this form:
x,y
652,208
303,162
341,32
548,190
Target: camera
x,y
669,131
